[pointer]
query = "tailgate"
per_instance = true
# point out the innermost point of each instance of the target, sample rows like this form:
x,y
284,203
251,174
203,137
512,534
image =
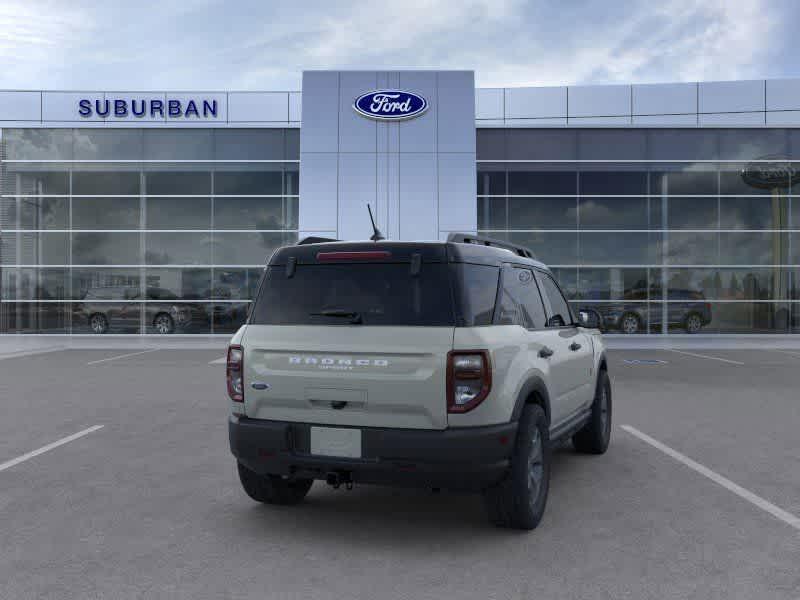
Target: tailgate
x,y
378,376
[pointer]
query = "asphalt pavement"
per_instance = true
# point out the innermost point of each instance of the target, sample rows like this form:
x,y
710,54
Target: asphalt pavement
x,y
142,500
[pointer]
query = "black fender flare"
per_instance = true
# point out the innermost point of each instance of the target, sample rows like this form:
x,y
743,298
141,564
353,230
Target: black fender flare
x,y
534,384
602,362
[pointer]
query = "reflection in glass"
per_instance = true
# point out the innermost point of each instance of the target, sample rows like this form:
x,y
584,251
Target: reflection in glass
x,y
613,284
248,248
34,284
41,212
104,248
242,183
175,316
178,213
185,284
619,248
32,317
235,284
177,183
751,317
559,248
105,213
255,213
692,248
753,248
99,183
227,317
94,316
178,248
106,283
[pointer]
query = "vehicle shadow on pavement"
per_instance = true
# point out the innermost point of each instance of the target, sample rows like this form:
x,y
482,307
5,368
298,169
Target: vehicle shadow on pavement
x,y
398,515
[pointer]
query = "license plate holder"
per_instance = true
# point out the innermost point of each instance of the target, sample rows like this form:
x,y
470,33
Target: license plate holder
x,y
339,442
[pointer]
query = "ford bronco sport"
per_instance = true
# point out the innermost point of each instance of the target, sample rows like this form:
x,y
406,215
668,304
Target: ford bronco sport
x,y
453,365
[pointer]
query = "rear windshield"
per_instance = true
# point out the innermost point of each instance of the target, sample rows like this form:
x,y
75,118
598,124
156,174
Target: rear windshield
x,y
367,294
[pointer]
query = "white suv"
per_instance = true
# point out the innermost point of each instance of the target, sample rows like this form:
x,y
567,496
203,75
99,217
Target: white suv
x,y
453,364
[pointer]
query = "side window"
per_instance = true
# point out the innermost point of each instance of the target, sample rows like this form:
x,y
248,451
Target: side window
x,y
559,308
520,303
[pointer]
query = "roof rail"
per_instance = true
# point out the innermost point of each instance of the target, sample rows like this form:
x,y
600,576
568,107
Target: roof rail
x,y
468,238
313,239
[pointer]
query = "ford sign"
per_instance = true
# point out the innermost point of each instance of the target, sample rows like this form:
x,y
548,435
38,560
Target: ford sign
x,y
390,105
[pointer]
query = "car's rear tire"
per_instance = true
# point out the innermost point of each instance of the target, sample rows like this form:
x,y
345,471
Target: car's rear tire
x,y
98,323
596,434
273,489
630,323
164,324
520,499
693,323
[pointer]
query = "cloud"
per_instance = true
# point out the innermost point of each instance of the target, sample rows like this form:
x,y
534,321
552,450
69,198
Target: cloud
x,y
211,44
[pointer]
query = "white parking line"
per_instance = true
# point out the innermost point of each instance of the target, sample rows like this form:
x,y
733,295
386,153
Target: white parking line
x,y
758,501
30,352
219,361
726,360
94,362
43,449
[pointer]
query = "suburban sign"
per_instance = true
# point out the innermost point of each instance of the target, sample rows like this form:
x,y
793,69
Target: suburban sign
x,y
148,107
390,105
779,172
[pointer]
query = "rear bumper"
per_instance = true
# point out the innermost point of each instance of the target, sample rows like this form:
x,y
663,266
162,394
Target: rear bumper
x,y
469,458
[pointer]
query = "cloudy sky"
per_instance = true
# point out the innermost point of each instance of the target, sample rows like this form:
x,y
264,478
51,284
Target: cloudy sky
x,y
251,45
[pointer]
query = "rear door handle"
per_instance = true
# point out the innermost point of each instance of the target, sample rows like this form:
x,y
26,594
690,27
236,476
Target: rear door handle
x,y
545,352
574,346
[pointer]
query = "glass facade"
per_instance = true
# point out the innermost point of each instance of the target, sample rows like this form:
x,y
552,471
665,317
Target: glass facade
x,y
140,230
659,230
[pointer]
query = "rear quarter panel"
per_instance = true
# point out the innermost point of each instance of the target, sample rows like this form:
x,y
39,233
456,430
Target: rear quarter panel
x,y
514,361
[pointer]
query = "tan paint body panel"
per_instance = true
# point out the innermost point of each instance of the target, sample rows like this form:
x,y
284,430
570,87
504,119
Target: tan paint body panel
x,y
378,376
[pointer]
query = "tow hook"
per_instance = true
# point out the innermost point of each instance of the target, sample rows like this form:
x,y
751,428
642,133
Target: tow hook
x,y
336,478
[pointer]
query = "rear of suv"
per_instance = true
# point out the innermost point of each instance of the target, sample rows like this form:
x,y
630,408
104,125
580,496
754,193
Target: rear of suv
x,y
453,365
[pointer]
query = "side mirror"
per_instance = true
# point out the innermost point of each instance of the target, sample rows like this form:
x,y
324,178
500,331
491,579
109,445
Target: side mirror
x,y
590,318
555,321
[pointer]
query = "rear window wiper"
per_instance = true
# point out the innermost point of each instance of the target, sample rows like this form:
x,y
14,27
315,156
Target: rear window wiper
x,y
355,317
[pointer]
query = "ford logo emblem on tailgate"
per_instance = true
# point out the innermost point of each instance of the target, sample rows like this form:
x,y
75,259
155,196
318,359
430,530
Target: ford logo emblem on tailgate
x,y
390,105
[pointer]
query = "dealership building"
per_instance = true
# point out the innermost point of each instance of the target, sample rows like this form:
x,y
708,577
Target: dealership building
x,y
669,208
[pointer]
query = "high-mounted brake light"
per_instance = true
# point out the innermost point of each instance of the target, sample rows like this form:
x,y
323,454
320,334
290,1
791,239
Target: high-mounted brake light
x,y
363,255
469,379
234,373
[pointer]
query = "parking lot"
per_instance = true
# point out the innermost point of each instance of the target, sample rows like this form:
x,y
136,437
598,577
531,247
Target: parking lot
x,y
697,497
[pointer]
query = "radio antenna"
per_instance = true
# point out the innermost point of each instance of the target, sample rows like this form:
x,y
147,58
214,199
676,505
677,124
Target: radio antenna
x,y
377,235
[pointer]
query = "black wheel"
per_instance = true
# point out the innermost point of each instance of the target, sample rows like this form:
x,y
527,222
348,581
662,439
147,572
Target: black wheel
x,y
594,437
694,323
273,489
164,323
98,323
519,500
629,323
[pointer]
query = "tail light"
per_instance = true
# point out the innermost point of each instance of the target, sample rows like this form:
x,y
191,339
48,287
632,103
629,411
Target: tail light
x,y
234,373
469,379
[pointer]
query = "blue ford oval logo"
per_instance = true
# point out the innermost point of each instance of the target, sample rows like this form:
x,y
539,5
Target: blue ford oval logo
x,y
390,105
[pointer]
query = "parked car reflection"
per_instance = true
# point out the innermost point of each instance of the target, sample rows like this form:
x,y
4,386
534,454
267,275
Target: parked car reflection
x,y
687,310
168,317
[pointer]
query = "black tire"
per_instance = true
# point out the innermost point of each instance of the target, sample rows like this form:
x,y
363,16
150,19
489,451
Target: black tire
x,y
98,323
164,323
630,323
693,323
596,434
273,489
518,501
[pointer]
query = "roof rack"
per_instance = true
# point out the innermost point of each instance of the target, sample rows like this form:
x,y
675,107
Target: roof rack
x,y
313,239
468,238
